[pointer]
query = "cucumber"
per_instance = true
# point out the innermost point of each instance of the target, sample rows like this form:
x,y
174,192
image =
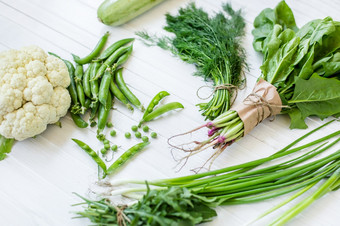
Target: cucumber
x,y
117,12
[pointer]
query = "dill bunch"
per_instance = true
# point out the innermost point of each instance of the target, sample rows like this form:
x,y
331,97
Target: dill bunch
x,y
212,44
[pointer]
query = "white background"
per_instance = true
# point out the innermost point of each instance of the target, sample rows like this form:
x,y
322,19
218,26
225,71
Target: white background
x,y
39,176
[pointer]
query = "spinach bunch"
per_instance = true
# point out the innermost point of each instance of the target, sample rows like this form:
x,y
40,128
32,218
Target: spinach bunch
x,y
303,64
173,206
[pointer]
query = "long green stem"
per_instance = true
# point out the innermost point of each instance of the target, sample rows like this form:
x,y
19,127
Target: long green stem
x,y
248,165
302,191
321,191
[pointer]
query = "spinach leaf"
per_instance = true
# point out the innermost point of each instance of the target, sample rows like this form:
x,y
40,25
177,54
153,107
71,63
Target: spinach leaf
x,y
278,65
267,19
317,96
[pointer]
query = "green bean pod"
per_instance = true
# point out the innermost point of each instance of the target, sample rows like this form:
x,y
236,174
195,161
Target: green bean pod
x,y
126,91
95,52
86,81
92,154
94,83
155,101
103,112
104,87
109,61
127,155
79,121
111,49
161,110
119,95
123,58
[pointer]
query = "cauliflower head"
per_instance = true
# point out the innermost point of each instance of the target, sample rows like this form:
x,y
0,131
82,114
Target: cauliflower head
x,y
33,92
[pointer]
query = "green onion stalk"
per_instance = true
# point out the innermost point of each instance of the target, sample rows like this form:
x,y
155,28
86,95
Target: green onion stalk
x,y
302,65
307,165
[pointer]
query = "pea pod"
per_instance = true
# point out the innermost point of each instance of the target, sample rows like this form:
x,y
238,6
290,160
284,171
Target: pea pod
x,y
161,110
103,112
72,88
126,91
87,103
104,88
122,59
109,61
94,84
86,81
127,155
92,154
95,52
119,95
111,49
93,114
79,121
155,101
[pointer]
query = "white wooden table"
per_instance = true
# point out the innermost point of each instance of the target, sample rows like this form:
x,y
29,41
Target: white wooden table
x,y
39,176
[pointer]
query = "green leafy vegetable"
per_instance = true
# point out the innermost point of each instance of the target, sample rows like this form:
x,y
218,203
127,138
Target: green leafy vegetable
x,y
5,146
174,206
212,44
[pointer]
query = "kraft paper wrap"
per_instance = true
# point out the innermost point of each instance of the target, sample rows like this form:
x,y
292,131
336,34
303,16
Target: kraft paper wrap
x,y
262,103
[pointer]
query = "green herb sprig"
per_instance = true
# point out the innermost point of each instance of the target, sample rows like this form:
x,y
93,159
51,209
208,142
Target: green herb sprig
x,y
212,44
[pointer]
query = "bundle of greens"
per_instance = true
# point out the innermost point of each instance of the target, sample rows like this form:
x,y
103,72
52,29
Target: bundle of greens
x,y
300,77
176,199
174,206
212,44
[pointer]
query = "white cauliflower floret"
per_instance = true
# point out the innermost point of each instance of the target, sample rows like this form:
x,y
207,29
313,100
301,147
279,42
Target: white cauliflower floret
x,y
57,73
38,90
32,92
10,99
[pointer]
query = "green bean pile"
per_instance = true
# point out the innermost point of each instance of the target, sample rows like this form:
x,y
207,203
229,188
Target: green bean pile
x,y
95,87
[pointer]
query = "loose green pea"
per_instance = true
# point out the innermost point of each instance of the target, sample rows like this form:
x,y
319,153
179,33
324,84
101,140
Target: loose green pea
x,y
128,135
106,142
134,128
153,135
146,129
107,146
109,125
101,137
113,133
103,151
114,147
138,134
145,139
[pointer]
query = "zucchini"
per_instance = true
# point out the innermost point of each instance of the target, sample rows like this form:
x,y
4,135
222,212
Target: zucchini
x,y
117,12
